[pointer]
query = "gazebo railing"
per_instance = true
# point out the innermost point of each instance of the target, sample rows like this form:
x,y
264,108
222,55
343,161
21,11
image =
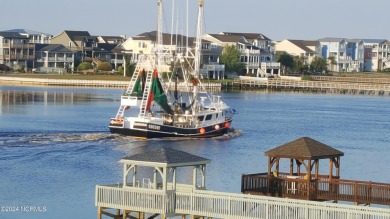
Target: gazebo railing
x,y
316,189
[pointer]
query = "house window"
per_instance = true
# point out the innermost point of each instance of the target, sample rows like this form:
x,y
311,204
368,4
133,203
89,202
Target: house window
x,y
341,53
369,54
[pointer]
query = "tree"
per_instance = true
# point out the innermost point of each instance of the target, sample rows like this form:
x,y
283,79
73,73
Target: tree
x,y
332,61
286,60
130,66
84,66
231,57
318,64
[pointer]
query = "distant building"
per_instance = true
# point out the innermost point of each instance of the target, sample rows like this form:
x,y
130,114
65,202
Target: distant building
x,y
145,43
33,36
16,51
256,51
94,49
348,53
54,58
376,54
305,49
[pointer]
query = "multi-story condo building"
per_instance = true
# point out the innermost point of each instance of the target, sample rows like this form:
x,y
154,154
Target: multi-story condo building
x,y
256,51
88,48
376,54
54,58
145,43
348,54
16,51
33,36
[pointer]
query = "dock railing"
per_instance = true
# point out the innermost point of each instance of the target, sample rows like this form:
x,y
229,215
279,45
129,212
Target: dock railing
x,y
137,199
225,205
316,189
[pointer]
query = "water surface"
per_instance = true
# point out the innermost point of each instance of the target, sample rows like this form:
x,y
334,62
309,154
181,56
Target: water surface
x,y
55,145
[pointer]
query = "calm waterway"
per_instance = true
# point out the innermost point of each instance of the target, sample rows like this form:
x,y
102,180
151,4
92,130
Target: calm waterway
x,y
55,145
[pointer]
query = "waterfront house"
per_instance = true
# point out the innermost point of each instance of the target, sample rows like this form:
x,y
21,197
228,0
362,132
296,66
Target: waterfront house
x,y
376,54
145,43
53,58
16,51
94,49
33,36
348,53
306,49
81,42
250,54
257,54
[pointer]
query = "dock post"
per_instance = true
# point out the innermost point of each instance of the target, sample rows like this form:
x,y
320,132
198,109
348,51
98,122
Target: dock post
x,y
99,212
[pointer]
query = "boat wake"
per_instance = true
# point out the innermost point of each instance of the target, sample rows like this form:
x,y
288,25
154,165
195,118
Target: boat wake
x,y
28,139
232,133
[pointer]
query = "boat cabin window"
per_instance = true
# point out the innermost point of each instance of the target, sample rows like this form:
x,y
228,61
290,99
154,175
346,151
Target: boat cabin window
x,y
216,115
208,117
200,118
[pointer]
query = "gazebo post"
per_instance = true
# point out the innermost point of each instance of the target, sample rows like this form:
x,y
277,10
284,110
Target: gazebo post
x,y
291,166
330,169
269,165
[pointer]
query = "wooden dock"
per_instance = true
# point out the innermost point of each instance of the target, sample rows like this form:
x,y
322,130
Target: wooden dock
x,y
358,192
330,85
145,203
163,197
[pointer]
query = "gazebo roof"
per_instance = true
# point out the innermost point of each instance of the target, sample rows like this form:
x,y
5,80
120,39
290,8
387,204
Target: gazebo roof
x,y
304,148
165,157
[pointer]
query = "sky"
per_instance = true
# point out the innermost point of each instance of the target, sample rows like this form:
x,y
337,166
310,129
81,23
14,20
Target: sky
x,y
276,19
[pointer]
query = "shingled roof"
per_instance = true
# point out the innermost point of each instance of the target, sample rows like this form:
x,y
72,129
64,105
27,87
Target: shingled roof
x,y
165,157
304,148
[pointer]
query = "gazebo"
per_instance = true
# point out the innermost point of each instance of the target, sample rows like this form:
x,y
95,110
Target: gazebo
x,y
297,182
156,193
307,152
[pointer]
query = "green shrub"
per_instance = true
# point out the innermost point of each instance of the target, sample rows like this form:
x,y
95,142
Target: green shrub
x,y
84,66
104,66
120,70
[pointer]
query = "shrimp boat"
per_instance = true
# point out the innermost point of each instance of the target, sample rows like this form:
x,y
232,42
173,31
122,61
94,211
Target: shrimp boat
x,y
149,108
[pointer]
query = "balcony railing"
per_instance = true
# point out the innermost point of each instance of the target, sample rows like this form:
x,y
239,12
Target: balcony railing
x,y
19,57
18,46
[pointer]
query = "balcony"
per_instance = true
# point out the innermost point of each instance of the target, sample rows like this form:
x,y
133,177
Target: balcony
x,y
18,46
18,57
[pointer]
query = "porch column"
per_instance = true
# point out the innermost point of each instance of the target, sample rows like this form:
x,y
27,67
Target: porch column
x,y
194,177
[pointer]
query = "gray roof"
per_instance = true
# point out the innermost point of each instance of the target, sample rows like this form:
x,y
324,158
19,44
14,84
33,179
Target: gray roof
x,y
152,36
12,35
249,36
26,31
304,148
227,38
379,41
77,34
52,48
303,44
167,156
331,39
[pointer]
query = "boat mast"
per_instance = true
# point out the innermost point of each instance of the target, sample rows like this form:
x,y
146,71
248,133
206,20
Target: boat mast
x,y
159,36
198,45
